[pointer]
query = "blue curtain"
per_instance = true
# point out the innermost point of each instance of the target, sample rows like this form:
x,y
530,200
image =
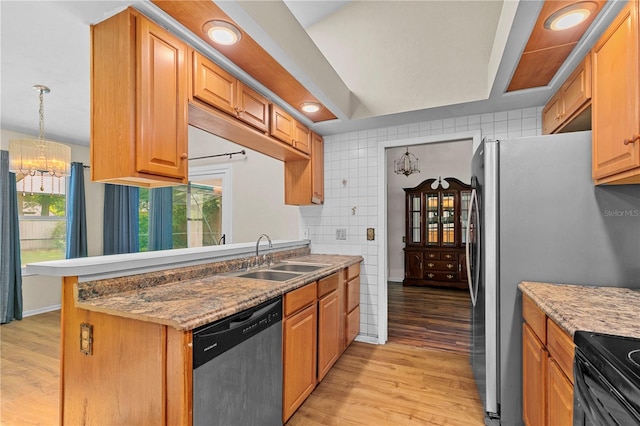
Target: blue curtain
x,y
76,214
160,218
120,231
10,264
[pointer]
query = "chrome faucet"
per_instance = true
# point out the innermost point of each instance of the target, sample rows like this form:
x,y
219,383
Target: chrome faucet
x,y
258,248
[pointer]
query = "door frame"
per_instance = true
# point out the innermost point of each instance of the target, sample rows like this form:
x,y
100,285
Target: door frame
x,y
383,261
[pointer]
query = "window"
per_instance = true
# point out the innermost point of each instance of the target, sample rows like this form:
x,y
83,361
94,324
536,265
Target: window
x,y
42,218
196,215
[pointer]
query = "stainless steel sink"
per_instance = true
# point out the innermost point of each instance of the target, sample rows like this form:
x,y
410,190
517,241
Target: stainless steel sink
x,y
269,275
296,267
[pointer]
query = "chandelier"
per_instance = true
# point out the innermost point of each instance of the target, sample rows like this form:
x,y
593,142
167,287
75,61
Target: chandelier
x,y
407,164
33,158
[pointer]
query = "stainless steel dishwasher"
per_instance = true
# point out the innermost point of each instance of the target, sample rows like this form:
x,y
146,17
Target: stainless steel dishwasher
x,y
237,362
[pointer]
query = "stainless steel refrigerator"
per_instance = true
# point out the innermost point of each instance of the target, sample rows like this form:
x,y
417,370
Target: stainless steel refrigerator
x,y
537,216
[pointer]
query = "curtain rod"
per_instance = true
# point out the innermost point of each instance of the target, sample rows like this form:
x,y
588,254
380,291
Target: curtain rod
x,y
229,154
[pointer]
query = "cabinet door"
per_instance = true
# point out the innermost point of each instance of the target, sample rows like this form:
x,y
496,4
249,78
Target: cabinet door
x,y
353,325
534,365
317,169
282,125
413,265
252,107
616,96
213,85
559,397
551,114
301,137
328,333
414,219
576,91
300,343
161,141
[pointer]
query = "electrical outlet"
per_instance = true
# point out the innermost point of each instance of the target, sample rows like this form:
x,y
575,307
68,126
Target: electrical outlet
x,y
371,234
86,339
341,234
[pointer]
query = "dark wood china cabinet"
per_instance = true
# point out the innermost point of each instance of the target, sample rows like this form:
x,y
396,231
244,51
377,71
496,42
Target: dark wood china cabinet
x,y
436,222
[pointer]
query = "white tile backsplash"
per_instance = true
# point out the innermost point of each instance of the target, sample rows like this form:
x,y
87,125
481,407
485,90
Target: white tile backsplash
x,y
354,157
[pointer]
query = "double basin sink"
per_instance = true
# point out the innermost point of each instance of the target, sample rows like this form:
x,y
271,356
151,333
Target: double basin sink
x,y
281,272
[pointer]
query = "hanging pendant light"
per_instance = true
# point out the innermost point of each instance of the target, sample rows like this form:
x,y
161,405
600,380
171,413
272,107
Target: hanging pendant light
x,y
407,164
38,158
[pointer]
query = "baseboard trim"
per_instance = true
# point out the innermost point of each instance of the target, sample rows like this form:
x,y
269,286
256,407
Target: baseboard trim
x,y
37,311
395,279
366,339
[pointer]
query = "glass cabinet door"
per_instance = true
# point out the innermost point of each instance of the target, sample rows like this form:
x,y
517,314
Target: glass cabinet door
x,y
465,198
415,219
448,220
433,218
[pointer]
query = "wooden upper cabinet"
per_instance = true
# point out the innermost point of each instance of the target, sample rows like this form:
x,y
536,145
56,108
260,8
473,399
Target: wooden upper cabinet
x,y
301,137
568,109
317,169
616,100
287,129
216,87
139,103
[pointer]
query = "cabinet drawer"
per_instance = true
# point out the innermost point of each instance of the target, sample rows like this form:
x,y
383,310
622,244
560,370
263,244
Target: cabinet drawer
x,y
535,318
353,293
432,255
441,276
328,284
353,324
299,298
449,256
353,271
560,347
441,265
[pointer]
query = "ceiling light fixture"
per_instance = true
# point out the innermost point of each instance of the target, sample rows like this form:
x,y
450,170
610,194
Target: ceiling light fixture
x,y
406,165
570,16
222,32
38,157
310,106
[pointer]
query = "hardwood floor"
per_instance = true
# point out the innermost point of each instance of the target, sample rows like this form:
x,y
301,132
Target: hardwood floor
x,y
420,377
30,370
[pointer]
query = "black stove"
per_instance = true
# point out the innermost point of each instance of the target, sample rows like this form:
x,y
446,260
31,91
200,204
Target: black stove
x,y
607,379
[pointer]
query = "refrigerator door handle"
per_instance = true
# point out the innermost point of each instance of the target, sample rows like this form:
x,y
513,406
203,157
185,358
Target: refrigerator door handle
x,y
473,287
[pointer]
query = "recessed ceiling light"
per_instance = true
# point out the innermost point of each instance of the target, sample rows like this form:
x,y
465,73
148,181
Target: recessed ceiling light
x,y
570,16
222,32
310,106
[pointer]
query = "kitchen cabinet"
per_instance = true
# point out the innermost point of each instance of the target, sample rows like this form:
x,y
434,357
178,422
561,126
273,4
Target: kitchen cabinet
x,y
569,110
299,347
436,221
216,87
329,344
139,103
352,312
547,369
288,130
616,100
304,179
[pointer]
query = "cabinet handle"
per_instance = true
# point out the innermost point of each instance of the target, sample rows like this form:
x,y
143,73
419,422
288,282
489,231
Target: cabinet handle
x,y
450,276
238,110
430,275
450,265
430,265
633,139
184,156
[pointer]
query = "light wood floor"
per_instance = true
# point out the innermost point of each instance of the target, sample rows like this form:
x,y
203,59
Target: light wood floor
x,y
420,377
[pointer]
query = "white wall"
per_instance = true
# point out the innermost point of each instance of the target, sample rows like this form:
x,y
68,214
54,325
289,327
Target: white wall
x,y
41,293
258,189
353,158
450,159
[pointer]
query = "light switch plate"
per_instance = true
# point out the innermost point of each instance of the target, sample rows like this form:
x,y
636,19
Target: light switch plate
x,y
341,234
371,234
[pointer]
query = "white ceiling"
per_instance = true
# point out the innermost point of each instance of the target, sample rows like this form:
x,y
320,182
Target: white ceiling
x,y
446,58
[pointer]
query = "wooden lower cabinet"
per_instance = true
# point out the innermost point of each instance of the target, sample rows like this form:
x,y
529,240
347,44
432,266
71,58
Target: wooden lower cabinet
x,y
547,370
352,312
328,333
534,365
299,353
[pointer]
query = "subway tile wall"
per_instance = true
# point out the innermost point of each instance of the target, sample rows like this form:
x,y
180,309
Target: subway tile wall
x,y
351,191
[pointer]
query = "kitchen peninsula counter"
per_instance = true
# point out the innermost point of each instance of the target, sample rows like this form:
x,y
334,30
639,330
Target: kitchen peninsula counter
x,y
609,310
185,304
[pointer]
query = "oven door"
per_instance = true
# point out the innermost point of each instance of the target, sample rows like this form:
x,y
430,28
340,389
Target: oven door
x,y
596,401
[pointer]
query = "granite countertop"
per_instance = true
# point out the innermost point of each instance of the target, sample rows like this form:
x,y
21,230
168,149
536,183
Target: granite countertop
x,y
188,304
609,310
